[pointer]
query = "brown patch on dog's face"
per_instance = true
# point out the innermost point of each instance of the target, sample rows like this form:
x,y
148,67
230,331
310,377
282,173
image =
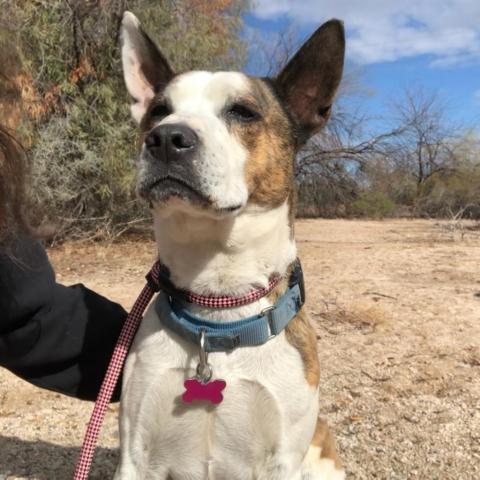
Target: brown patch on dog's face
x,y
270,143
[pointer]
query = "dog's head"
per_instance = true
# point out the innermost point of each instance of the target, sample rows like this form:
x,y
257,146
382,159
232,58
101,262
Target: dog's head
x,y
214,142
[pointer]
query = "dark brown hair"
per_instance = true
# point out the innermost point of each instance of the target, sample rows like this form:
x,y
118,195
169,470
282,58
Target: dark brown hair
x,y
12,157
13,161
12,186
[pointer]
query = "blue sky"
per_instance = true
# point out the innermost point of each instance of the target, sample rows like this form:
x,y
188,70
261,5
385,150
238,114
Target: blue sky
x,y
434,44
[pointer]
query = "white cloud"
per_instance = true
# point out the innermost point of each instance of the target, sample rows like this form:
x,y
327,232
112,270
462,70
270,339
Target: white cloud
x,y
383,30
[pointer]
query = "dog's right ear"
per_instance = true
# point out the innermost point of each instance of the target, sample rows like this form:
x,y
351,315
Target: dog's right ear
x,y
145,69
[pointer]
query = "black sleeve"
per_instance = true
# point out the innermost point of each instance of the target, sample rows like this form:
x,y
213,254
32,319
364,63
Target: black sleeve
x,y
56,337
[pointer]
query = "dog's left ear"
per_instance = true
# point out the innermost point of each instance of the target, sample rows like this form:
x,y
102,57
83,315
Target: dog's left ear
x,y
145,69
310,80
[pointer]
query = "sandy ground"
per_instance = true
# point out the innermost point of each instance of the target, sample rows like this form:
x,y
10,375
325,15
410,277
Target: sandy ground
x,y
397,308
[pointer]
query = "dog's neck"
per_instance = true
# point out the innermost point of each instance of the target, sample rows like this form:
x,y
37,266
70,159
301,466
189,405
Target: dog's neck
x,y
227,256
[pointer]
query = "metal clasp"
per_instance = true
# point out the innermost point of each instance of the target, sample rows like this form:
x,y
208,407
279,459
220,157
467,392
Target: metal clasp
x,y
268,313
204,369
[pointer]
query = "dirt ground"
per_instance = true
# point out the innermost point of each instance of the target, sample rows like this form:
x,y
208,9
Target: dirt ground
x,y
396,305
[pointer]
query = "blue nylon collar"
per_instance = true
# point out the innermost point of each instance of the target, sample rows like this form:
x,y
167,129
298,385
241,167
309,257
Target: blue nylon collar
x,y
247,332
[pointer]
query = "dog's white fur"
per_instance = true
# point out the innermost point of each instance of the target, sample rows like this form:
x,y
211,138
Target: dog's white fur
x,y
198,98
262,429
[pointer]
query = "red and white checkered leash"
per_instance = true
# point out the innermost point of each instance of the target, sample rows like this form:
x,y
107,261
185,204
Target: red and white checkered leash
x,y
111,377
121,350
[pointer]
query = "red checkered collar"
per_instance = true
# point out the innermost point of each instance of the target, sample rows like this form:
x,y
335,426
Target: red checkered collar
x,y
161,281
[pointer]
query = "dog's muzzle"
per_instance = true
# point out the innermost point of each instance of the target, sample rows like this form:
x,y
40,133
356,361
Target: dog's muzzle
x,y
170,151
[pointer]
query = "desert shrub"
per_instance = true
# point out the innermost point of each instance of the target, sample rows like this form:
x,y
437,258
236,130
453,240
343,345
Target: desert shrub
x,y
83,186
325,191
372,205
444,196
82,165
402,190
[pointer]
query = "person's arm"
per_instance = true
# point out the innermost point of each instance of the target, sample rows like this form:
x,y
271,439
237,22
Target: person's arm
x,y
56,337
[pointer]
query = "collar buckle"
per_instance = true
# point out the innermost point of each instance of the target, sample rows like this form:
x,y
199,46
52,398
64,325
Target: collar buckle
x,y
296,277
268,312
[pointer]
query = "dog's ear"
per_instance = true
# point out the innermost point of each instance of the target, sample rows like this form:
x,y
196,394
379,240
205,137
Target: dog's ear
x,y
145,69
311,78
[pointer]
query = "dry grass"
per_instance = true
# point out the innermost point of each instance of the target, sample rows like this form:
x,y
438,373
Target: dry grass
x,y
362,315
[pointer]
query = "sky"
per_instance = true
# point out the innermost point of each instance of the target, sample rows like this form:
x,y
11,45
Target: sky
x,y
393,45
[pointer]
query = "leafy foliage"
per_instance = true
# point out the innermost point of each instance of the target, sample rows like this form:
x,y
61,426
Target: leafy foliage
x,y
372,205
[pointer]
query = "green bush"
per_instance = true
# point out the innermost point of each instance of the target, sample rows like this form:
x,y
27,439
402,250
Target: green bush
x,y
444,196
372,205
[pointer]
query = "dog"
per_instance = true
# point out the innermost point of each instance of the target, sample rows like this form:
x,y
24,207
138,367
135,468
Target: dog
x,y
217,166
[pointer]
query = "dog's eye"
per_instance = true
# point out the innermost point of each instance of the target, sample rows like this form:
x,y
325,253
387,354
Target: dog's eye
x,y
159,111
241,113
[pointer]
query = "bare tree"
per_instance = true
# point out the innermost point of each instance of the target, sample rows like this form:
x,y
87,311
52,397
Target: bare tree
x,y
426,143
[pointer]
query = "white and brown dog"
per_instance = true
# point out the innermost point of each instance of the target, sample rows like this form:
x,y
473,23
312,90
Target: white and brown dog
x,y
216,166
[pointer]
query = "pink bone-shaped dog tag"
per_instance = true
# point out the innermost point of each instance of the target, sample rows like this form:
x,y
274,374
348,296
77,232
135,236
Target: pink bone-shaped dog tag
x,y
196,390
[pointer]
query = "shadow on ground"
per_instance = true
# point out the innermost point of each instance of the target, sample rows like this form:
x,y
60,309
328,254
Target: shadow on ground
x,y
46,461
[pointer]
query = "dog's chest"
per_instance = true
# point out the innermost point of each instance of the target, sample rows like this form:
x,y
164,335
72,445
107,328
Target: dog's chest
x,y
262,426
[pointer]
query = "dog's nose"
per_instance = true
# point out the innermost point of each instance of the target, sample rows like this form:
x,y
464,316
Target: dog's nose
x,y
171,141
